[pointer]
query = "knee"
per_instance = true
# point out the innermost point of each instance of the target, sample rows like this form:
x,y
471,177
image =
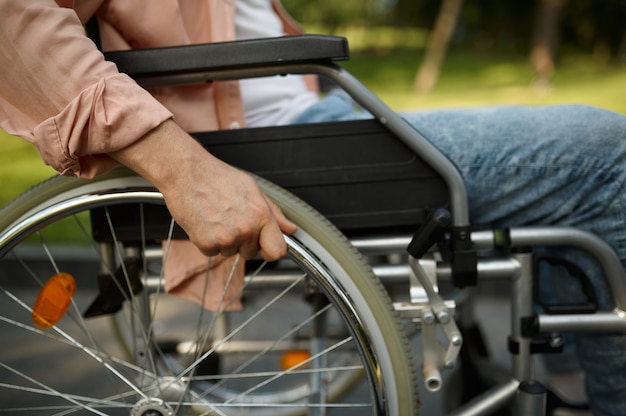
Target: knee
x,y
596,124
593,132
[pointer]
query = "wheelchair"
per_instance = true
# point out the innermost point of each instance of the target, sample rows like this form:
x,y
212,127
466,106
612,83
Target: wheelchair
x,y
383,228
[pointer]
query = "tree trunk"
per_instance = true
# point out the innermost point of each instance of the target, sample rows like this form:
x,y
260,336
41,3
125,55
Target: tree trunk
x,y
546,39
438,41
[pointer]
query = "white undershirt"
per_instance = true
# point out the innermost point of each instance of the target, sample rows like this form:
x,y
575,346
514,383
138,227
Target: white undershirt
x,y
272,100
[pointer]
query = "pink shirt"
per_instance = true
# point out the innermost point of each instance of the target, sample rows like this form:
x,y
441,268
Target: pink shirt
x,y
58,92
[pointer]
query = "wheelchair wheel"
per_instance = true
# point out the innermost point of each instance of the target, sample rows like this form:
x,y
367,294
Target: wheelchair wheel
x,y
312,325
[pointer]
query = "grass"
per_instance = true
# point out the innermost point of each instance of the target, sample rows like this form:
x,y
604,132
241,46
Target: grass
x,y
20,167
482,79
467,79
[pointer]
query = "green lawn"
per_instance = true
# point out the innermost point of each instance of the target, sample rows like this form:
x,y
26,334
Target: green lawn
x,y
466,80
481,79
20,167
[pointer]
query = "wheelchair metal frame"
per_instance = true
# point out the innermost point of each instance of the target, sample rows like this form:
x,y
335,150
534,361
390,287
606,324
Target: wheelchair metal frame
x,y
426,306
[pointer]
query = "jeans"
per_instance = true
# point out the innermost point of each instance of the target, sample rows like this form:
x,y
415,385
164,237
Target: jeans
x,y
556,165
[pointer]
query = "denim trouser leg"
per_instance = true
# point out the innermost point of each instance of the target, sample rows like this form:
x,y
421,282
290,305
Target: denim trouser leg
x,y
545,166
554,165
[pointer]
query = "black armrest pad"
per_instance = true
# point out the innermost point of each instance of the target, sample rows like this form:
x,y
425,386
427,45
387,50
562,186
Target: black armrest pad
x,y
230,55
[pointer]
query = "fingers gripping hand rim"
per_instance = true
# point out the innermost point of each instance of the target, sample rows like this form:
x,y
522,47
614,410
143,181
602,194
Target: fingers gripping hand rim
x,y
260,233
271,239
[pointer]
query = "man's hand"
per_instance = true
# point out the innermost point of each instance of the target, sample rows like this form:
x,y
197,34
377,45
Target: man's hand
x,y
222,209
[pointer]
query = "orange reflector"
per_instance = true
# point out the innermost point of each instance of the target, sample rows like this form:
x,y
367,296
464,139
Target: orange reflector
x,y
53,300
293,358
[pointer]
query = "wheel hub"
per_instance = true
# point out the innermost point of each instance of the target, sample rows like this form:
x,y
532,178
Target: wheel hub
x,y
152,407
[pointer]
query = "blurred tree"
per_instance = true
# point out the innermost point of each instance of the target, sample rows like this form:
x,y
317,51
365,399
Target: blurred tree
x,y
598,27
489,25
332,14
545,41
438,41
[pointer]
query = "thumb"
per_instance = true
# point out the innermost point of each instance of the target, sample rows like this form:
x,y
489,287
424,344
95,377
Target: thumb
x,y
284,224
271,242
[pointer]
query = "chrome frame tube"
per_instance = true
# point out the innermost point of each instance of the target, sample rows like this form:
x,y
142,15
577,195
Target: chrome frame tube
x,y
597,322
522,307
586,241
491,400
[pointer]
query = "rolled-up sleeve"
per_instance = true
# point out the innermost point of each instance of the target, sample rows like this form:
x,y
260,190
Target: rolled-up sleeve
x,y
58,92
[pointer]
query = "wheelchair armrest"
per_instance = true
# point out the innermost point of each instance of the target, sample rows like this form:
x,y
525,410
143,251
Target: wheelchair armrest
x,y
228,56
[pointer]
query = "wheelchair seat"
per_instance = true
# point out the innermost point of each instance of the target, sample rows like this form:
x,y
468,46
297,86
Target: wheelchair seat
x,y
354,172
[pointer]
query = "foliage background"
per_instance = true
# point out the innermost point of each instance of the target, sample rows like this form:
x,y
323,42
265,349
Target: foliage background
x,y
487,62
495,25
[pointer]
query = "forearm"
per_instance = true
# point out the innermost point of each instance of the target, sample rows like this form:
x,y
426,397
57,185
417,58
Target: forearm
x,y
165,155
